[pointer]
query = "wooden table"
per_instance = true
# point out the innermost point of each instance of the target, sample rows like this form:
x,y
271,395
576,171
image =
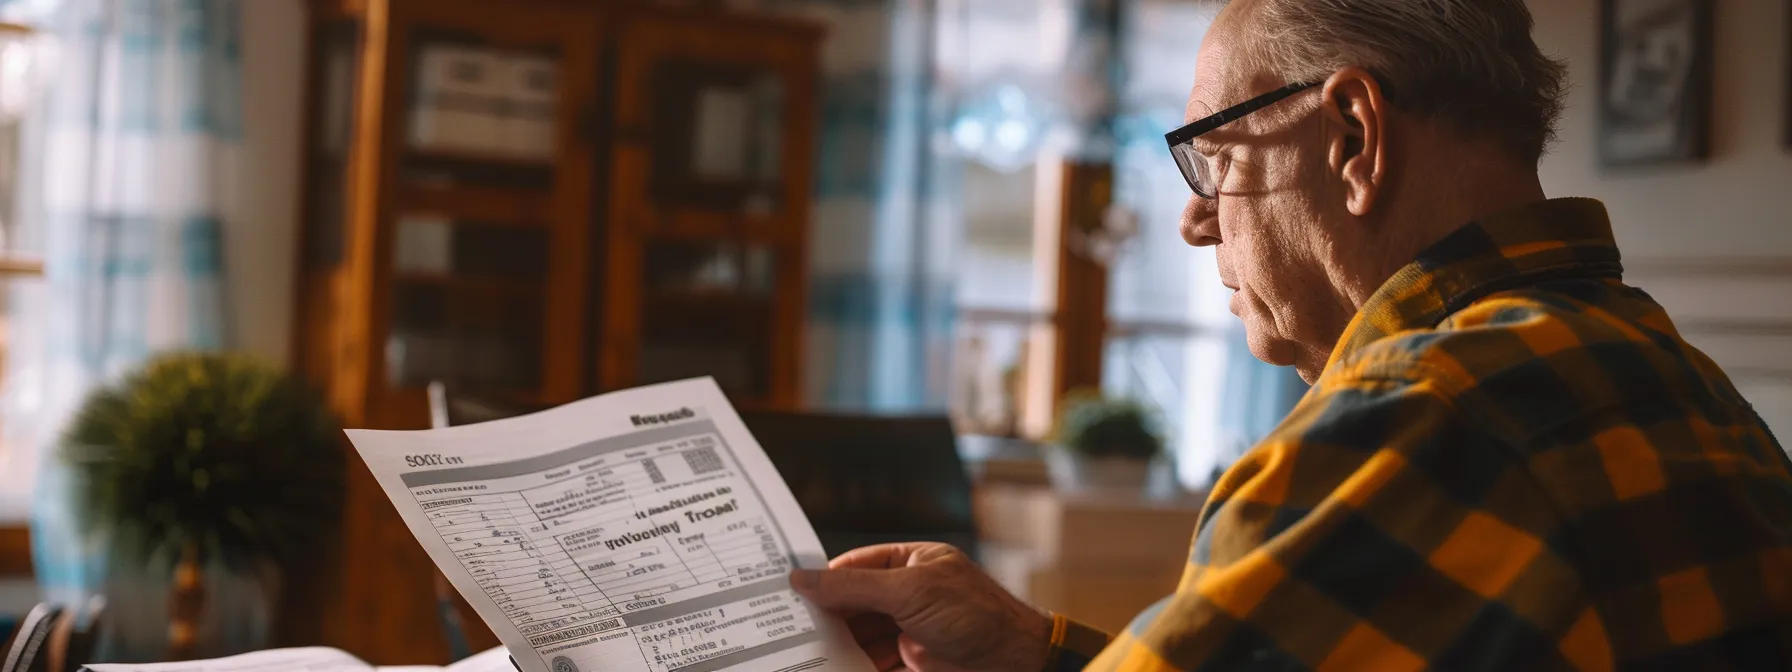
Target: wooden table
x,y
1100,558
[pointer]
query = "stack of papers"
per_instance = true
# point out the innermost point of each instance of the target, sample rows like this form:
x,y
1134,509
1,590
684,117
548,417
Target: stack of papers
x,y
311,659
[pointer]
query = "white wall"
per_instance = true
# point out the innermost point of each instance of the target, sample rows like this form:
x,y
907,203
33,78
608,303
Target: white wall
x,y
1737,204
262,239
1712,242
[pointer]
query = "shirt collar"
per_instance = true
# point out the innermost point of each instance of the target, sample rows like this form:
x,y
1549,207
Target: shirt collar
x,y
1547,239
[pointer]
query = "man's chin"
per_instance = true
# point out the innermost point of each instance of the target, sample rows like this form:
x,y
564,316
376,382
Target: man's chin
x,y
1272,350
1309,373
1283,352
1286,353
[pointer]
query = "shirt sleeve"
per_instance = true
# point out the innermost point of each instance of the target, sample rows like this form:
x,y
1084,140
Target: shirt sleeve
x,y
1375,529
1073,645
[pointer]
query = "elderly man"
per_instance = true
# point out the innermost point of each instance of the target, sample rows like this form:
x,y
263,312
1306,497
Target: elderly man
x,y
1509,460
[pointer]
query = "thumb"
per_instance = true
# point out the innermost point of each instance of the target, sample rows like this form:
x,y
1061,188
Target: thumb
x,y
850,590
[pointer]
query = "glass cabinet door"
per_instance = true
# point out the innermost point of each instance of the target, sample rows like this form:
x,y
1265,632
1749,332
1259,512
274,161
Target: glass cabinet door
x,y
709,193
707,310
709,127
717,134
467,304
487,242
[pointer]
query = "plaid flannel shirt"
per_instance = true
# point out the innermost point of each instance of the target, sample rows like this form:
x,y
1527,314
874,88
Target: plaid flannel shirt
x,y
1512,461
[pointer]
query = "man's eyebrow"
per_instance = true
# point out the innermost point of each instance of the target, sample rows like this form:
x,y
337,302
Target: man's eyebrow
x,y
1212,138
1195,112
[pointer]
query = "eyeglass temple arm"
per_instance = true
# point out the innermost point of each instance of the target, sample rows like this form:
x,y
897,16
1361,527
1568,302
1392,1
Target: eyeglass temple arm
x,y
1231,114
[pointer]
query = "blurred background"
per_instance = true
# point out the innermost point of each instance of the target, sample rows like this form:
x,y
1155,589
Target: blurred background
x,y
956,212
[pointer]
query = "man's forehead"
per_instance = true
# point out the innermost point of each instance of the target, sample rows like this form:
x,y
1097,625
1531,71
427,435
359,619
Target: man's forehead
x,y
1215,62
1213,67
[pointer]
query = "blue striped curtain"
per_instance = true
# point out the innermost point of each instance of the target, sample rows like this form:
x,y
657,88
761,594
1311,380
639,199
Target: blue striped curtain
x,y
882,239
124,168
1258,397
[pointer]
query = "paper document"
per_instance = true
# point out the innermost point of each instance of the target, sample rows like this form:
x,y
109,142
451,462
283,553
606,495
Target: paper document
x,y
639,530
493,660
309,659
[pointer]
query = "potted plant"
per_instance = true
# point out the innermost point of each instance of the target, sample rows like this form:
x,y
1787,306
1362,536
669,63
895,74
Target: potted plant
x,y
204,470
1103,443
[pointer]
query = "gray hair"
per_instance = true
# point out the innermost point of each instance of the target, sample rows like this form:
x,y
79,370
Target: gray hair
x,y
1468,63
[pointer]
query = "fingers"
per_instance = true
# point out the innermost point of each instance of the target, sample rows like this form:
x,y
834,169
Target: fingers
x,y
873,578
876,634
915,656
851,590
883,655
881,556
867,628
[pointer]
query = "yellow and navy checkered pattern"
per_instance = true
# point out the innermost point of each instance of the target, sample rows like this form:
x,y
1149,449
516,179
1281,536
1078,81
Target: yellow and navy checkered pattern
x,y
1512,461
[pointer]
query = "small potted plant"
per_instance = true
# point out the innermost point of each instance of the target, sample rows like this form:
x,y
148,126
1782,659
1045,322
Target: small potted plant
x,y
1103,443
200,475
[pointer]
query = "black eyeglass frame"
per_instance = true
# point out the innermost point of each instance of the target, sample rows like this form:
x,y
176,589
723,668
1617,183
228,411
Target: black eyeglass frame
x,y
1193,129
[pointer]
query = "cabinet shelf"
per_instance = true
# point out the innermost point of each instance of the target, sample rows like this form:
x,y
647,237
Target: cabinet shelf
x,y
681,223
445,155
456,170
470,282
488,205
708,297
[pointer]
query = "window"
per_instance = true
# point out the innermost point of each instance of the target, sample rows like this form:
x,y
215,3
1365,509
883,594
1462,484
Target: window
x,y
998,302
1172,340
21,66
997,62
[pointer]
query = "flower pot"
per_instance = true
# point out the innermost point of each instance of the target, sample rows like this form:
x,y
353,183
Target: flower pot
x,y
241,603
1075,472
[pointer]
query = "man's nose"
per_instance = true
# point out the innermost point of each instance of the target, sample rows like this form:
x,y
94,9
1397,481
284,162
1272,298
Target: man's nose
x,y
1201,221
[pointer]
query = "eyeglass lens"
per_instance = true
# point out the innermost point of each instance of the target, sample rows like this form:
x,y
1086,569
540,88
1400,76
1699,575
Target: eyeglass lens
x,y
1195,170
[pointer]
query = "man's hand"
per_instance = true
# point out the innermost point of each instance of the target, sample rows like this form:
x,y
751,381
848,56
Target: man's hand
x,y
925,607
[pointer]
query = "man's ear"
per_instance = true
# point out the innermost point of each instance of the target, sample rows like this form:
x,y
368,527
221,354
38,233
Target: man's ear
x,y
1357,117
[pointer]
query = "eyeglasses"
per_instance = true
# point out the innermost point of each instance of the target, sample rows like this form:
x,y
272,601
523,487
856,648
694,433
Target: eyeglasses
x,y
1196,169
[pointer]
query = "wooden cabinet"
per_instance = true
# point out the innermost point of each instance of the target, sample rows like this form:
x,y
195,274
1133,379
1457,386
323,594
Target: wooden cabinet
x,y
537,200
709,203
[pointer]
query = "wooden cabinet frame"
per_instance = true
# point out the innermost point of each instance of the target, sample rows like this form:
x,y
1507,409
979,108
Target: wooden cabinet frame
x,y
373,594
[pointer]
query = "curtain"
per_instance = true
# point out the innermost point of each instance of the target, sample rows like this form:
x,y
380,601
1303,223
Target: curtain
x,y
1258,397
883,236
125,166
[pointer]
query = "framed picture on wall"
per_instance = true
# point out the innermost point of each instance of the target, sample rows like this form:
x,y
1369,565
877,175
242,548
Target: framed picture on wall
x,y
1654,81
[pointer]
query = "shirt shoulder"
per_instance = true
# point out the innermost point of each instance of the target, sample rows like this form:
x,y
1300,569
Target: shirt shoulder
x,y
1526,361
